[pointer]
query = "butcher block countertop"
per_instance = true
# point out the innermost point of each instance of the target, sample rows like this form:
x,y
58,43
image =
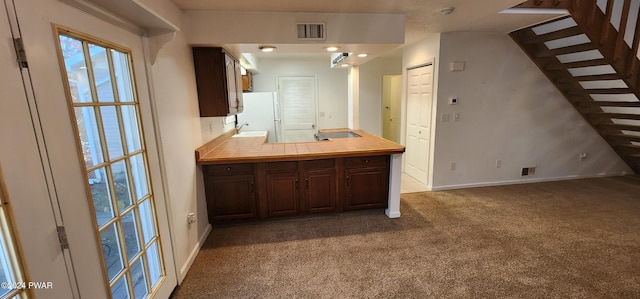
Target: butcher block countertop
x,y
226,149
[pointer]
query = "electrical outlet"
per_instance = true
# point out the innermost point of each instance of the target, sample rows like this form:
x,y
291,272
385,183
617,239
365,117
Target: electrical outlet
x,y
498,163
191,218
445,117
456,116
452,166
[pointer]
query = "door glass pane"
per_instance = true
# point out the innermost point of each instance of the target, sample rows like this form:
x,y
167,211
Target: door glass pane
x,y
148,228
130,235
101,194
155,267
111,142
121,183
123,78
120,290
111,250
111,126
101,73
76,67
138,279
89,136
139,176
130,121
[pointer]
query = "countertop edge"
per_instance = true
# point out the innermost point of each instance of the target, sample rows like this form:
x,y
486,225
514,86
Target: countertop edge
x,y
203,151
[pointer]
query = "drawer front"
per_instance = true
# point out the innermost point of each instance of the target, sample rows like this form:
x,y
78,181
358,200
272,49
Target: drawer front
x,y
370,161
315,164
275,167
228,169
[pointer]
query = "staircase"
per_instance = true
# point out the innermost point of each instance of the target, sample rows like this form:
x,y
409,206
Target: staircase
x,y
591,56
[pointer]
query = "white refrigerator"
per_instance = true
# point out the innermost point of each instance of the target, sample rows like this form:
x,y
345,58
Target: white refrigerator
x,y
261,113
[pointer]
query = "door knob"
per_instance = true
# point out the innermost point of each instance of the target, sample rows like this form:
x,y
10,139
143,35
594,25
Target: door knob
x,y
313,126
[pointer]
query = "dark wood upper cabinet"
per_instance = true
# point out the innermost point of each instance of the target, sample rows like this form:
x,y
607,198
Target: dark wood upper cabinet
x,y
219,82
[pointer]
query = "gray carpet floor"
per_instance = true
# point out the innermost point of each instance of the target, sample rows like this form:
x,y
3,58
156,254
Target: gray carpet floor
x,y
567,239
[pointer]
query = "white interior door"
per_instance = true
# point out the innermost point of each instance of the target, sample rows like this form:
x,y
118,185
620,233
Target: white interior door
x,y
117,249
391,102
419,106
23,160
298,104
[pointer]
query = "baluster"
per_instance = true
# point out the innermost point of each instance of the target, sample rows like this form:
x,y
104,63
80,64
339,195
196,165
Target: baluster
x,y
620,43
606,25
631,67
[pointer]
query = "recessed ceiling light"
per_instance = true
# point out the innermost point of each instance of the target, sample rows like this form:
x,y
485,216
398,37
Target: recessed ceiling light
x,y
345,65
267,49
363,55
332,49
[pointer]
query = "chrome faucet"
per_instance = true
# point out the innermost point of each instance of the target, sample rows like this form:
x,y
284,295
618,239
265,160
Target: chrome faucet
x,y
239,127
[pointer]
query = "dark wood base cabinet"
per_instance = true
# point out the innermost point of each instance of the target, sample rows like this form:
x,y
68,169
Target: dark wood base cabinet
x,y
274,189
230,191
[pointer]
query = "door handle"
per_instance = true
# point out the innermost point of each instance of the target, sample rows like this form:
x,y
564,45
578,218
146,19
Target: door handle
x,y
313,126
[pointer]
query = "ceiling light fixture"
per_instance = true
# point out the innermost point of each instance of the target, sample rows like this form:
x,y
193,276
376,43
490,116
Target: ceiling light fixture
x,y
363,55
447,10
332,48
267,49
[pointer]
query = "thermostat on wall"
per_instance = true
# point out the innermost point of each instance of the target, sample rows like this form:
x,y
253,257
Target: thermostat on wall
x,y
456,66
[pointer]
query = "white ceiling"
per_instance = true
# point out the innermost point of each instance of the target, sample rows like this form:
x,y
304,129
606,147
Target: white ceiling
x,y
422,16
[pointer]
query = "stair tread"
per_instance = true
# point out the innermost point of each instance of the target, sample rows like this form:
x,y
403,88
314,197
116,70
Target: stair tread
x,y
567,32
624,137
631,146
576,64
610,104
621,127
566,50
624,90
614,115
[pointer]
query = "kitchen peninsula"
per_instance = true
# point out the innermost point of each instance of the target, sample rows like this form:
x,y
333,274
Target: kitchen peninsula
x,y
246,178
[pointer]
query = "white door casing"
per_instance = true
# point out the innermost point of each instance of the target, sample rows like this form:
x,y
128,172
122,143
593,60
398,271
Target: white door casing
x,y
36,19
419,108
298,106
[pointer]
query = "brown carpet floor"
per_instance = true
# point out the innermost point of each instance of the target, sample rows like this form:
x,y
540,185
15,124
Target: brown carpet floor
x,y
568,239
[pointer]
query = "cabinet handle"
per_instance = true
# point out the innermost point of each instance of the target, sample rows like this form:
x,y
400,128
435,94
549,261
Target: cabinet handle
x,y
251,187
306,183
348,180
228,168
366,161
297,185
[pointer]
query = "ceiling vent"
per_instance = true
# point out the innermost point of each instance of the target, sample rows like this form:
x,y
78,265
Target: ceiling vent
x,y
311,31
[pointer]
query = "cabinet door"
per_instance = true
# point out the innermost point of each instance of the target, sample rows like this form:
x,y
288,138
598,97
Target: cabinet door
x,y
366,188
232,85
230,197
320,190
211,81
238,74
282,194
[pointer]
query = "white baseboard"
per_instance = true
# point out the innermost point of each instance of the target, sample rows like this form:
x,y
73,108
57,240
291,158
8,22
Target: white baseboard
x,y
527,181
192,256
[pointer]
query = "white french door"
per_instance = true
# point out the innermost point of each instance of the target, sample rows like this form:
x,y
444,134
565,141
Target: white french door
x,y
419,107
108,195
297,97
28,184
